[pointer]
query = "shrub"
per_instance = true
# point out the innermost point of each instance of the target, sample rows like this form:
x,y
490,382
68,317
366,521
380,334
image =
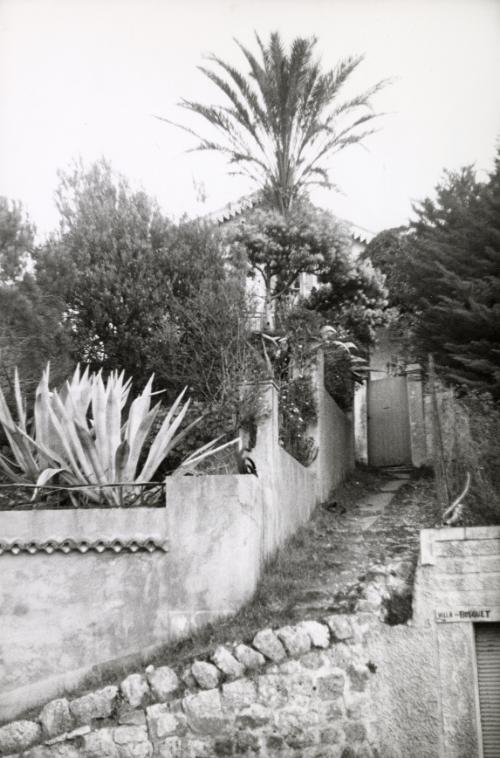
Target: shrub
x,y
81,438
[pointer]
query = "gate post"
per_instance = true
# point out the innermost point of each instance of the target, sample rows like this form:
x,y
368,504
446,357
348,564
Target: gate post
x,y
361,423
418,444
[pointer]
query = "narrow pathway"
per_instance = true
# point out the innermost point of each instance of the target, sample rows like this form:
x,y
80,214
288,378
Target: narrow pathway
x,y
380,529
325,567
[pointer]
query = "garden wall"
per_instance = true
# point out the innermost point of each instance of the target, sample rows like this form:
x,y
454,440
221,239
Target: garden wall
x,y
303,691
341,687
81,588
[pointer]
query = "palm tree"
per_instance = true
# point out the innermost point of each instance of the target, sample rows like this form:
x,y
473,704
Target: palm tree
x,y
282,121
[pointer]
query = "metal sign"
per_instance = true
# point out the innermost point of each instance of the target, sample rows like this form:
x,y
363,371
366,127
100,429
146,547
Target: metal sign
x,y
480,613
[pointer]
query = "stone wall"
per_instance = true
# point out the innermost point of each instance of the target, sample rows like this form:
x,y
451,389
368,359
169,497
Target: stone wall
x,y
297,691
340,687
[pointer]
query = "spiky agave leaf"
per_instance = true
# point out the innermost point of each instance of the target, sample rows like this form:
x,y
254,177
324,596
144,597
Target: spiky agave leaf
x,y
92,456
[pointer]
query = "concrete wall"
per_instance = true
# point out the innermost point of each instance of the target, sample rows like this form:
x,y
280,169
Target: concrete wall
x,y
334,437
90,586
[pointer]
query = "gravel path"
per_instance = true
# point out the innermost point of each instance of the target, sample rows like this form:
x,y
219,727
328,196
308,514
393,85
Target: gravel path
x,y
381,528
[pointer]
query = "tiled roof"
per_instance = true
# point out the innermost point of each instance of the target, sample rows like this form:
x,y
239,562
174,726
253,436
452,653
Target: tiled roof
x,y
237,208
15,547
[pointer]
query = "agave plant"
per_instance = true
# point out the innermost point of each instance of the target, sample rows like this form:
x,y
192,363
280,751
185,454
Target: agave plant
x,y
79,436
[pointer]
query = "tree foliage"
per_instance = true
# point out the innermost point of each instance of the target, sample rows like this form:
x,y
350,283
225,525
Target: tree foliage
x,y
444,274
144,295
455,274
279,248
282,121
106,264
16,240
30,320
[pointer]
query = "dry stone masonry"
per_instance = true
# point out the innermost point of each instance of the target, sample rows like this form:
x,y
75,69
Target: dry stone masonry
x,y
300,691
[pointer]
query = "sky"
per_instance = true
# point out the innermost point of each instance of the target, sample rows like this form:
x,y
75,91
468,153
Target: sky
x,y
85,79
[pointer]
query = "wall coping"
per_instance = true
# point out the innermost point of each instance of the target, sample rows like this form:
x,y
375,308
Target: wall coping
x,y
83,529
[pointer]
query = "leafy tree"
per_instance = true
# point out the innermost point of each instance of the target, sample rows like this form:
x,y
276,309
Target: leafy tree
x,y
282,121
452,268
389,252
142,294
279,248
30,322
106,265
16,240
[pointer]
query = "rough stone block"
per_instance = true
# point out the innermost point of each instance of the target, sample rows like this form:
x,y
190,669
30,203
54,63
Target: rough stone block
x,y
301,687
224,747
330,736
269,645
339,655
249,657
18,736
56,718
238,694
294,718
357,704
135,690
163,682
275,743
358,676
313,661
296,640
331,686
132,718
317,633
290,667
59,750
135,750
272,690
161,722
355,731
204,712
246,742
122,735
254,717
207,675
100,744
298,739
95,705
340,627
171,748
227,663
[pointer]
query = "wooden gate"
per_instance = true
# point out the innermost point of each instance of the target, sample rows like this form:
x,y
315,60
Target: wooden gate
x,y
388,422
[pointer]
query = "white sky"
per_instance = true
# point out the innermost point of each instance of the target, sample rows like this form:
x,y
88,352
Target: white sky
x,y
83,78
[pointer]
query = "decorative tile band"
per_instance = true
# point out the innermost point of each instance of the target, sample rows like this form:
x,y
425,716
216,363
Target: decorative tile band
x,y
83,546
